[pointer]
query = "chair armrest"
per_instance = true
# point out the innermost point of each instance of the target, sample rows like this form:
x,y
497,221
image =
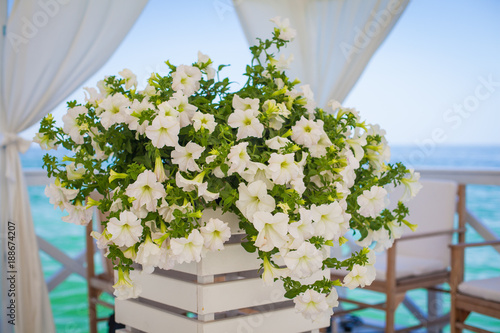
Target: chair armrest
x,y
431,234
457,261
464,245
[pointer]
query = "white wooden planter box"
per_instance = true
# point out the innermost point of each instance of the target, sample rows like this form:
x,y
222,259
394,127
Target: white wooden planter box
x,y
222,293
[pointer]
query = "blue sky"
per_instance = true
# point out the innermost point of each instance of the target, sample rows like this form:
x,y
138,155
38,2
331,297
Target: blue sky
x,y
435,80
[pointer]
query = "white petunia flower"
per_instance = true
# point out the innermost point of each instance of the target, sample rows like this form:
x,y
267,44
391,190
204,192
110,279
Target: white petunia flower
x,y
189,185
215,233
238,158
283,168
360,276
247,124
149,90
270,272
187,249
257,171
330,221
304,261
204,59
312,304
127,285
75,172
277,113
309,97
205,193
301,230
204,120
149,255
320,148
116,205
130,78
382,237
411,185
146,190
307,132
71,124
282,63
185,156
246,104
372,201
277,142
254,198
357,142
78,213
377,156
102,240
180,103
167,212
135,112
196,184
45,142
167,110
58,195
164,131
334,104
159,171
285,32
332,299
141,212
92,96
126,230
186,79
272,230
115,110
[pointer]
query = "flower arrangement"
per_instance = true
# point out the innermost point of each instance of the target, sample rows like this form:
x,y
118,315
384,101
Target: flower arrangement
x,y
297,176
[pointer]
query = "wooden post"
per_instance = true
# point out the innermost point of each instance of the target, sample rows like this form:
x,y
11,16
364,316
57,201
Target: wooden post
x,y
92,292
462,212
456,277
390,304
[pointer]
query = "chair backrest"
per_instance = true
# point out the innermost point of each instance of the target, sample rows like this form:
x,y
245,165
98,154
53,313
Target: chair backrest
x,y
433,209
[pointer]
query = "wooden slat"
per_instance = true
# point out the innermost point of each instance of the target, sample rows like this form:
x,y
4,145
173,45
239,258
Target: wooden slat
x,y
472,328
150,319
62,257
232,259
486,232
153,320
430,234
166,290
283,320
487,243
213,297
480,176
473,304
238,294
62,274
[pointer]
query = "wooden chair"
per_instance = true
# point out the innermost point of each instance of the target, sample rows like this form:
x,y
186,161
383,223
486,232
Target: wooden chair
x,y
97,283
417,260
480,296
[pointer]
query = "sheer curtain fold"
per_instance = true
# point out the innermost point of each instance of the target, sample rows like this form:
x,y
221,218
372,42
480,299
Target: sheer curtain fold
x,y
50,48
335,38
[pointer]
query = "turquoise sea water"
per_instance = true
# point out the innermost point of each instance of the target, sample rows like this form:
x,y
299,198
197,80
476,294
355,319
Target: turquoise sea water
x,y
69,299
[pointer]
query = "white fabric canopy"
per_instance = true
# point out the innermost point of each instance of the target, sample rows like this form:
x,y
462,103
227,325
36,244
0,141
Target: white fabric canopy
x,y
50,48
335,38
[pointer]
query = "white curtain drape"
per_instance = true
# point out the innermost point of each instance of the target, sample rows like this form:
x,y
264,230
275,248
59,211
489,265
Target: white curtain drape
x,y
335,38
49,49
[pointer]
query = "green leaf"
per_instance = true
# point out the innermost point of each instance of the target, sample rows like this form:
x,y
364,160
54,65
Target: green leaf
x,y
249,247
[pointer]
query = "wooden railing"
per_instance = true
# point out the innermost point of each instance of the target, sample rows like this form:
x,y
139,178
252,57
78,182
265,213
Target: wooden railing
x,y
464,177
